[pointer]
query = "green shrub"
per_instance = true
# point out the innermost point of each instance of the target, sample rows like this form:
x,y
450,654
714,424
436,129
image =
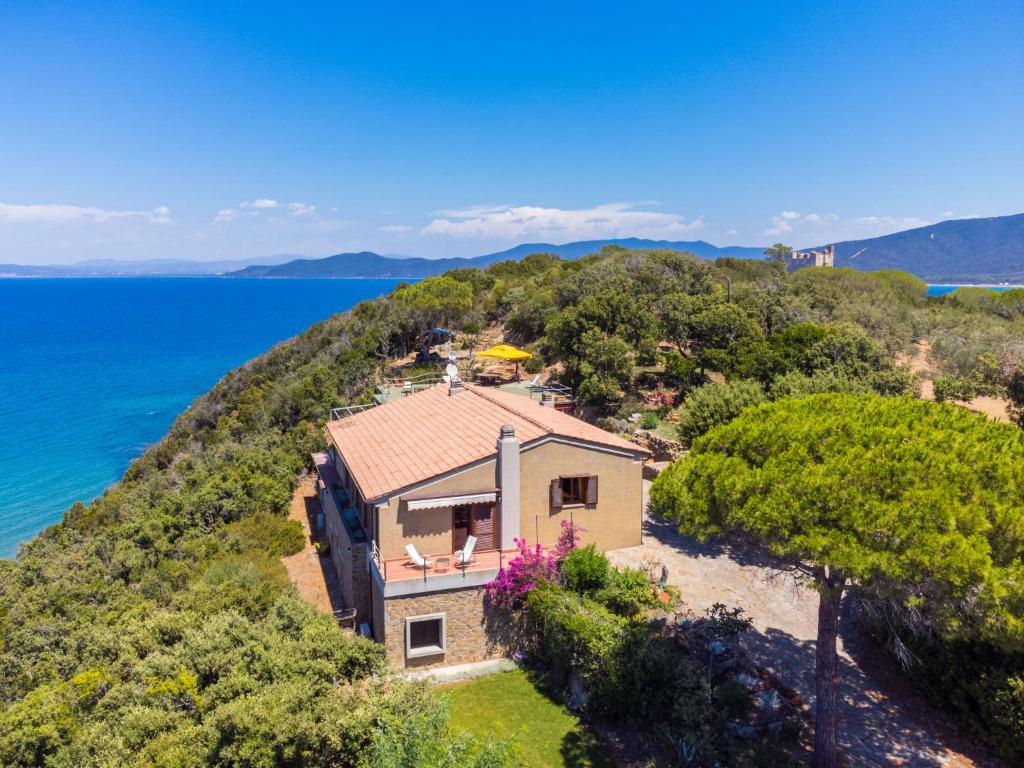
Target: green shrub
x,y
715,404
649,420
647,351
796,384
680,372
627,592
571,632
249,584
958,390
534,365
585,570
266,533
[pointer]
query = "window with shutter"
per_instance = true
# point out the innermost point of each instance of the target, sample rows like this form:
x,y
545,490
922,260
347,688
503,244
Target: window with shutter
x,y
556,494
575,489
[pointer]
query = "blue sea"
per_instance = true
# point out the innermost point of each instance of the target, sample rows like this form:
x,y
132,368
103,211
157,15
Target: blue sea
x,y
94,370
942,290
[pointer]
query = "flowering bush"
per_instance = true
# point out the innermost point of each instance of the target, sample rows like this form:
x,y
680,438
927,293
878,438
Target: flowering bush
x,y
531,568
567,539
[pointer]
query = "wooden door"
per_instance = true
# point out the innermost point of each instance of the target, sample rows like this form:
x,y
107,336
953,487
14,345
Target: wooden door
x,y
461,516
482,526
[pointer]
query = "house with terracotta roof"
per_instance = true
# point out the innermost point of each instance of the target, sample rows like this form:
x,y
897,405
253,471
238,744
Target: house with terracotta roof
x,y
453,465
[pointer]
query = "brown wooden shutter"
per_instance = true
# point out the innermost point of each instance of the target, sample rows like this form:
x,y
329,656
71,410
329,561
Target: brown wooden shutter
x,y
556,494
483,526
592,489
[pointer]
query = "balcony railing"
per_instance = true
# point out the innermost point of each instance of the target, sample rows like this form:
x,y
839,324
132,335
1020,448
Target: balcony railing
x,y
395,569
347,410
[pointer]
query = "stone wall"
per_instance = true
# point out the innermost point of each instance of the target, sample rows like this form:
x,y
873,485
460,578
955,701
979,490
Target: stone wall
x,y
660,448
349,561
473,633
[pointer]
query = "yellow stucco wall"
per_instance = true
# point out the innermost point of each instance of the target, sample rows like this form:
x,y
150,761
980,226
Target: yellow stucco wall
x,y
429,529
612,523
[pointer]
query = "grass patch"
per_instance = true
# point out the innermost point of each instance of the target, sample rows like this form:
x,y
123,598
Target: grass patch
x,y
510,705
667,429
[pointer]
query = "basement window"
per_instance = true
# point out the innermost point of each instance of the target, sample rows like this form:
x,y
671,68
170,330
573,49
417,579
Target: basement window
x,y
424,635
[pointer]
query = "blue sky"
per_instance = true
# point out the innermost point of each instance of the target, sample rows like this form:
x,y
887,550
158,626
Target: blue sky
x,y
210,131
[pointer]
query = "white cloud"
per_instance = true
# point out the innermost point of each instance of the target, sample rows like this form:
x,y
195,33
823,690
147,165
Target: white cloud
x,y
256,208
819,228
56,213
395,228
559,225
954,215
301,209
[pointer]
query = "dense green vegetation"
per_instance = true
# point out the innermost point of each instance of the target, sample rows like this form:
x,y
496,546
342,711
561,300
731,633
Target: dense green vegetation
x,y
156,626
908,502
589,636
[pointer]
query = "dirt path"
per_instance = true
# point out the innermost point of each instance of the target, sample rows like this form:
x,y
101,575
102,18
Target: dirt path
x,y
993,407
883,722
313,576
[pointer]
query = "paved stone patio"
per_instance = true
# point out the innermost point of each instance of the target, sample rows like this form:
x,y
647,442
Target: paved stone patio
x,y
884,722
312,574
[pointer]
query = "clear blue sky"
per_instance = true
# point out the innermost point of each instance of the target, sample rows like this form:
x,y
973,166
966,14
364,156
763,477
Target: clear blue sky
x,y
209,130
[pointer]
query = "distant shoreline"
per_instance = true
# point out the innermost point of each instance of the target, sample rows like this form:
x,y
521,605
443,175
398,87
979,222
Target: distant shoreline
x,y
229,277
974,285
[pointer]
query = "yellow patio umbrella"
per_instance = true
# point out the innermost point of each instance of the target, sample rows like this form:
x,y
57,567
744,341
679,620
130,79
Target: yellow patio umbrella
x,y
506,352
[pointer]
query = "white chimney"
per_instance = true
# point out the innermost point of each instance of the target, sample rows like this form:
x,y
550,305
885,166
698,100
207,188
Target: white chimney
x,y
508,484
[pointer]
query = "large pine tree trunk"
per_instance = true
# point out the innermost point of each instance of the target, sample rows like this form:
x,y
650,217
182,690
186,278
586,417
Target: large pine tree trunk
x,y
826,674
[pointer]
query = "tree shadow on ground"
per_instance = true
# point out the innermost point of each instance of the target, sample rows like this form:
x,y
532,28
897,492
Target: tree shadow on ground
x,y
667,533
883,722
581,747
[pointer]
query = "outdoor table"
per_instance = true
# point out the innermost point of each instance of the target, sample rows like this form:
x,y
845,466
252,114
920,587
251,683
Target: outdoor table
x,y
441,564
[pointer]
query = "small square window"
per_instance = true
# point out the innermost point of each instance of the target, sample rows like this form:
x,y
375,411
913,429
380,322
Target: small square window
x,y
574,490
425,635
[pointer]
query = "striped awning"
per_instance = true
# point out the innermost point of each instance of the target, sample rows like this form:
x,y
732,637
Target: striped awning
x,y
451,500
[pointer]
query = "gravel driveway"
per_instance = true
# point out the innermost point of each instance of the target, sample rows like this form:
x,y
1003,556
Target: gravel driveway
x,y
883,722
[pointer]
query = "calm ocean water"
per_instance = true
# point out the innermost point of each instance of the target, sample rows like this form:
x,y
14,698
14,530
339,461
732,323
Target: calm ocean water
x,y
942,290
94,370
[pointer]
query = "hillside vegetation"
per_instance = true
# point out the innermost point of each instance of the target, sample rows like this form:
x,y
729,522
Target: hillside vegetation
x,y
156,625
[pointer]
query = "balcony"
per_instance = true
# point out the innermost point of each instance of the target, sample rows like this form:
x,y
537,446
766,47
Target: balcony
x,y
397,576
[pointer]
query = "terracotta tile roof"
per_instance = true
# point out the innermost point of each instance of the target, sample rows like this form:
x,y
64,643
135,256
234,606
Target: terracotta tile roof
x,y
429,433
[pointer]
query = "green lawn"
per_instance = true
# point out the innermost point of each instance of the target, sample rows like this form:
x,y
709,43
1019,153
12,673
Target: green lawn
x,y
508,704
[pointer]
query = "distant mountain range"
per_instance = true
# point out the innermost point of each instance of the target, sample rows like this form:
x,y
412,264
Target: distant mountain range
x,y
368,264
956,251
148,267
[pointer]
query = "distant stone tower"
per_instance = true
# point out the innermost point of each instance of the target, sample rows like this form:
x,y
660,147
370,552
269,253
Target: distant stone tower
x,y
826,257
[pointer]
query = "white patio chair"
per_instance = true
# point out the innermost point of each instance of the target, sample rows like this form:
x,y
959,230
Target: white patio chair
x,y
416,557
465,555
534,382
